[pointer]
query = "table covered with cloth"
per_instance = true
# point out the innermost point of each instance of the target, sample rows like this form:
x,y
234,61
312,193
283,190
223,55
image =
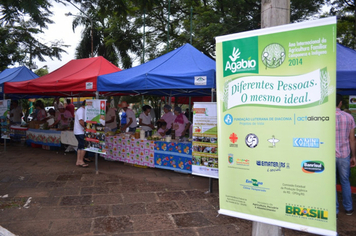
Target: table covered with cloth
x,y
43,137
129,150
173,156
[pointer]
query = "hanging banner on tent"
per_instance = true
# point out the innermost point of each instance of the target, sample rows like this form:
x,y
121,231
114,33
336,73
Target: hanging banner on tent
x,y
5,118
95,112
276,99
205,146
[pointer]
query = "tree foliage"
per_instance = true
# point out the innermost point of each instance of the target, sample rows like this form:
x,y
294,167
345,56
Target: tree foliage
x,y
125,30
20,23
346,25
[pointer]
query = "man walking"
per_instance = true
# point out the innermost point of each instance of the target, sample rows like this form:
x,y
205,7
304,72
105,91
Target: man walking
x,y
345,142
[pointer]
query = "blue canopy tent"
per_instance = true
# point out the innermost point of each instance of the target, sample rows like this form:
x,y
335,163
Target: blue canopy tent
x,y
345,70
16,74
184,71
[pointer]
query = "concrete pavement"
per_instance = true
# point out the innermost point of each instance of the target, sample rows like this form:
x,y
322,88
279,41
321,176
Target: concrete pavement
x,y
49,195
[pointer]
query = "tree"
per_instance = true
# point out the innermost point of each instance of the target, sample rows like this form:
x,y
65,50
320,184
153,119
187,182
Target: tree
x,y
122,34
114,36
21,21
346,26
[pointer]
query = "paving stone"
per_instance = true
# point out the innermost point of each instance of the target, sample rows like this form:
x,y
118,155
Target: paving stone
x,y
156,222
197,194
24,184
107,199
94,190
172,196
162,207
217,219
111,225
76,200
33,192
79,183
151,187
129,209
195,205
177,232
55,212
139,197
193,219
135,234
70,227
52,184
18,214
118,188
46,201
225,230
65,191
163,180
31,228
68,177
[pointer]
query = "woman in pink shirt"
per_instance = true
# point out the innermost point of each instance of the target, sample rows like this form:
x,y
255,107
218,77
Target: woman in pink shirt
x,y
168,117
181,123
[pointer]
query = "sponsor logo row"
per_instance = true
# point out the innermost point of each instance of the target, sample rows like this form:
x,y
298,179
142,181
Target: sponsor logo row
x,y
229,119
251,140
307,166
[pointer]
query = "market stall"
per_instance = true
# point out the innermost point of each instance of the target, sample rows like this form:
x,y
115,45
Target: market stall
x,y
183,72
173,155
50,138
127,149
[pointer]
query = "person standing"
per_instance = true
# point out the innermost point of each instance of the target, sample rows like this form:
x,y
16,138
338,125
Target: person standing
x,y
181,123
15,113
64,117
145,120
345,142
130,118
70,107
168,117
110,118
79,134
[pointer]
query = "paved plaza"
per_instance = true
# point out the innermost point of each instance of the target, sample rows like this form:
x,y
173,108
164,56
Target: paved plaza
x,y
43,193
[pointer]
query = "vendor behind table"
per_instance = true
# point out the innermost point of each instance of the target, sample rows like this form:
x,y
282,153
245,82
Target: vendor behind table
x,y
15,112
110,118
63,118
130,118
167,117
145,120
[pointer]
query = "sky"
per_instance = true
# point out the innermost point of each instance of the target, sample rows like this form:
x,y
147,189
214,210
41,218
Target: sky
x,y
61,29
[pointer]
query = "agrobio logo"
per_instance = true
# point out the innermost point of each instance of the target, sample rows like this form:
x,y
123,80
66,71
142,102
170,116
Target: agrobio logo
x,y
240,56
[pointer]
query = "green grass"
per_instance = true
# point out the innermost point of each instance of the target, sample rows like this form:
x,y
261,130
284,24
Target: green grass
x,y
13,203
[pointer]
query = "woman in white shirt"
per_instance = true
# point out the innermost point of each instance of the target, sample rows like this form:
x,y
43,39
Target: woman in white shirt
x,y
145,120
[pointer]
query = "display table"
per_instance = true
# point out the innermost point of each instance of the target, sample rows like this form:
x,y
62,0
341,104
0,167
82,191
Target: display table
x,y
173,156
125,149
43,137
18,133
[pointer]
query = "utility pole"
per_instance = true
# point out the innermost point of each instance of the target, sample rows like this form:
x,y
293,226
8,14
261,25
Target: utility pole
x,y
273,13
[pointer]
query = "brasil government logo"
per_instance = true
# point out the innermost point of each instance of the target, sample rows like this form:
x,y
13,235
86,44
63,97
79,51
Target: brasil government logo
x,y
307,212
240,56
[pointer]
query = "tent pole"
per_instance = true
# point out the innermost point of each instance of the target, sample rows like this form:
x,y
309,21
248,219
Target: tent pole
x,y
0,132
190,108
96,154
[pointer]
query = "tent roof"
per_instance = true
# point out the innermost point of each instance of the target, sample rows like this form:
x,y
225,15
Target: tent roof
x,y
345,70
173,74
76,78
16,74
